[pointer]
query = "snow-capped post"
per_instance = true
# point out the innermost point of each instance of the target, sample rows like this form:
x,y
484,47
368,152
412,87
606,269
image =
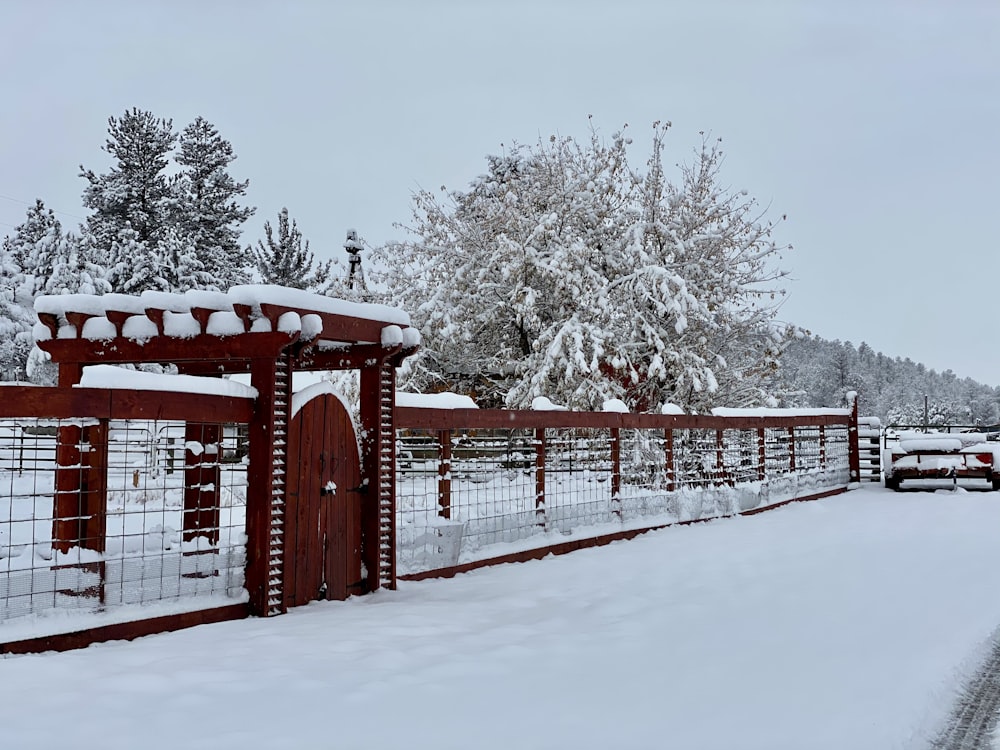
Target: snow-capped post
x,y
853,450
540,476
202,474
444,474
616,472
668,451
791,449
822,447
720,457
761,454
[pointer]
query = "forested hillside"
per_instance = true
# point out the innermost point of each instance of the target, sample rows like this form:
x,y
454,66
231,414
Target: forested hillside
x,y
817,372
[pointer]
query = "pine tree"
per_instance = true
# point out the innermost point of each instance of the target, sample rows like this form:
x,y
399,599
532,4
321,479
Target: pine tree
x,y
16,315
287,260
35,245
74,272
209,213
135,194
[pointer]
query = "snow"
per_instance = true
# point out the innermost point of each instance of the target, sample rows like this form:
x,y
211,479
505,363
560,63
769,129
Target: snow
x,y
256,294
615,405
931,444
392,336
543,403
224,322
445,400
109,376
848,622
768,412
671,409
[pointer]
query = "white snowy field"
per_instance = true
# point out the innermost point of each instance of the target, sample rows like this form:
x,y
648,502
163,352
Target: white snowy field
x,y
848,622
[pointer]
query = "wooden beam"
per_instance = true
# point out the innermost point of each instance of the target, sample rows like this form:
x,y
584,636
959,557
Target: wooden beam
x,y
164,349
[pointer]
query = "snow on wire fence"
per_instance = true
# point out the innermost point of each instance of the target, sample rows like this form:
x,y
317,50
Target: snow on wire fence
x,y
110,499
473,485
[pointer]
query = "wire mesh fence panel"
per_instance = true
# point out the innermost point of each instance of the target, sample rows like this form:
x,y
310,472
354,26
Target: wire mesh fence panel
x,y
463,489
466,493
97,514
578,473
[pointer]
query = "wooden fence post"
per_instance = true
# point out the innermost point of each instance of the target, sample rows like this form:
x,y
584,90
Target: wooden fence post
x,y
201,481
540,476
761,454
791,449
822,446
853,449
444,474
668,450
616,472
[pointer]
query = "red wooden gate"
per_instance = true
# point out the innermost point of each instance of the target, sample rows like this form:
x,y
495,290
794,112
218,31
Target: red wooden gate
x,y
323,505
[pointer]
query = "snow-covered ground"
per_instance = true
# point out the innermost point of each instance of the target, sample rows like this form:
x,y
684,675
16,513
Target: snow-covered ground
x,y
848,622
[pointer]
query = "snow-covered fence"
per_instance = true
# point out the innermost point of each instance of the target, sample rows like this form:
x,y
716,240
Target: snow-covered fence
x,y
476,484
114,498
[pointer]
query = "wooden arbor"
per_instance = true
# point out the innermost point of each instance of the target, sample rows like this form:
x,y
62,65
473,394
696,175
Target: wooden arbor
x,y
269,332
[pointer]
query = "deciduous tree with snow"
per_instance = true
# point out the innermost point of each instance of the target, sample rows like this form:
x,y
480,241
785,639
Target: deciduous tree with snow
x,y
564,272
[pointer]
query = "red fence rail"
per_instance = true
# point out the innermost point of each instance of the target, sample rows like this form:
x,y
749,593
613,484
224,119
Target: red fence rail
x,y
110,499
475,484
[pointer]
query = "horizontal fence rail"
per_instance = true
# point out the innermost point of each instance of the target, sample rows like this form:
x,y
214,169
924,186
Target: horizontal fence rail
x,y
474,484
112,499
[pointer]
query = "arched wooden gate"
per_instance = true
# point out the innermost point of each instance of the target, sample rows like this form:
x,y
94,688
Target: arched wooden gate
x,y
323,505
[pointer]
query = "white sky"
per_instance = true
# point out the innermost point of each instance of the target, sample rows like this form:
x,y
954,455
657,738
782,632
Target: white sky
x,y
870,123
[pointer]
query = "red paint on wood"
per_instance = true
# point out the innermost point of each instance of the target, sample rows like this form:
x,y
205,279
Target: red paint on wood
x,y
125,631
202,476
540,476
668,449
616,471
444,474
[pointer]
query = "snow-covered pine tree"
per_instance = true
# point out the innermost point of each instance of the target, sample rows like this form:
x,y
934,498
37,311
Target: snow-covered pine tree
x,y
74,272
563,272
287,260
35,245
135,194
16,315
208,206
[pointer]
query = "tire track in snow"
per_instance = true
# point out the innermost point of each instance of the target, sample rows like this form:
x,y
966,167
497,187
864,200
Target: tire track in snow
x,y
975,716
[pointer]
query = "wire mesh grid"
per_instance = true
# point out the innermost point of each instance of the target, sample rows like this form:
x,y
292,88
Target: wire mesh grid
x,y
96,514
469,494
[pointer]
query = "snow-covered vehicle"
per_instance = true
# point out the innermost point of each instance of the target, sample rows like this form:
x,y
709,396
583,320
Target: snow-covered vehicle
x,y
940,455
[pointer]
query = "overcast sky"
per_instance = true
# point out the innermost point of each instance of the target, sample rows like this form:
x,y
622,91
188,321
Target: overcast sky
x,y
872,124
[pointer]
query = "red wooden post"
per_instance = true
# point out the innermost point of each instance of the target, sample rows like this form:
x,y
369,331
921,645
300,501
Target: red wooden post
x,y
853,449
720,458
94,487
260,485
540,476
201,481
444,474
761,454
668,450
378,517
791,449
66,509
616,472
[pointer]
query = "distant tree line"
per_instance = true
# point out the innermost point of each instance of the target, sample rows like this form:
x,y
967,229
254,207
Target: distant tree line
x,y
819,373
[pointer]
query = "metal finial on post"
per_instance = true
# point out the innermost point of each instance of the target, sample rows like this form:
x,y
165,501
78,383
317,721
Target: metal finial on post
x,y
355,274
